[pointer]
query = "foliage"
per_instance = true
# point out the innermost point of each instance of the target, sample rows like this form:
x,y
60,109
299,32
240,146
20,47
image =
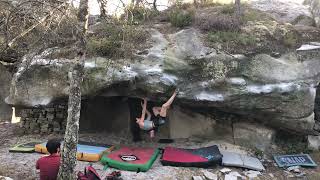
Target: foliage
x,y
107,43
217,23
254,15
232,37
115,40
290,39
314,6
228,9
291,144
258,153
57,29
181,18
138,14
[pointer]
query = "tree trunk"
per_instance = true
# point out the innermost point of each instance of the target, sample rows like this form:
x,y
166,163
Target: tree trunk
x,y
238,10
155,5
103,5
69,161
69,150
137,3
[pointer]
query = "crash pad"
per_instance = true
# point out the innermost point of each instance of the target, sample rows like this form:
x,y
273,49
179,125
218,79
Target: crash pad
x,y
86,151
24,148
294,160
131,158
201,157
241,160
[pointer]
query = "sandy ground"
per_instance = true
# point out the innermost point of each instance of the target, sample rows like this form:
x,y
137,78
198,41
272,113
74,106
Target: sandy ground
x,y
22,166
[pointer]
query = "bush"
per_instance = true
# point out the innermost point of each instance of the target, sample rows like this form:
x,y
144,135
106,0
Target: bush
x,y
137,15
218,23
228,9
232,37
181,18
106,42
290,39
250,14
116,41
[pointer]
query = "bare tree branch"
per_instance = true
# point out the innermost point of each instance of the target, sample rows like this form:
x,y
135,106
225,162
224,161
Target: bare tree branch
x,y
31,28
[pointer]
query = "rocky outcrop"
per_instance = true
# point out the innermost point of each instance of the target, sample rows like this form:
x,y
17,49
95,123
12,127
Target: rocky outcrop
x,y
5,78
282,10
279,92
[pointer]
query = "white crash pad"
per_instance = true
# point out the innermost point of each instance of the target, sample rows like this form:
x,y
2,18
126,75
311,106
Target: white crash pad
x,y
241,160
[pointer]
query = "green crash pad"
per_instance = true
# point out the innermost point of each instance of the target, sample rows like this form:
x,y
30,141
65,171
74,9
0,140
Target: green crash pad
x,y
24,148
131,159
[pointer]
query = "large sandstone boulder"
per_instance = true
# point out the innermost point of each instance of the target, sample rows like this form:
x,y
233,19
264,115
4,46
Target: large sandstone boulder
x,y
279,92
282,10
5,78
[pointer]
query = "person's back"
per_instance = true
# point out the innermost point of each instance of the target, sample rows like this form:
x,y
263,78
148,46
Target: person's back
x,y
49,165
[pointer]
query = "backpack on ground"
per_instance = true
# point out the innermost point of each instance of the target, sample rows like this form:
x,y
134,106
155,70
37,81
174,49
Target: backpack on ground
x,y
89,174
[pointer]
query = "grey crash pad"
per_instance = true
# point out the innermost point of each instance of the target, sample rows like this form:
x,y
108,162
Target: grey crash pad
x,y
241,160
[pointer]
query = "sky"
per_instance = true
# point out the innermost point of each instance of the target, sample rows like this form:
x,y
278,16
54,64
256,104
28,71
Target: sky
x,y
116,5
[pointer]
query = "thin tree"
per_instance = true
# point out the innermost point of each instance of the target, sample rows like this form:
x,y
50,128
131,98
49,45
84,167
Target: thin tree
x,y
155,5
103,5
238,10
68,161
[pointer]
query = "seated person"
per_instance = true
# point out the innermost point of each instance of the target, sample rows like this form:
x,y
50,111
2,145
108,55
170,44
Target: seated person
x,y
159,112
49,165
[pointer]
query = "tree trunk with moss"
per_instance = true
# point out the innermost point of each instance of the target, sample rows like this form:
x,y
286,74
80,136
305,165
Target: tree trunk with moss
x,y
69,150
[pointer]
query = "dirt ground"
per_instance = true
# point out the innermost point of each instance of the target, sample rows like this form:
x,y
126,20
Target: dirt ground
x,y
22,166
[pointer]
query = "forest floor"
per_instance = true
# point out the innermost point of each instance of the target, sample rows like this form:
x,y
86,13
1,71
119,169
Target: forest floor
x,y
22,165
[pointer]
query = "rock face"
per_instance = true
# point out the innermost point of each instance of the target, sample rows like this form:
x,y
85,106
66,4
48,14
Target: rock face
x,y
253,135
282,10
5,78
279,92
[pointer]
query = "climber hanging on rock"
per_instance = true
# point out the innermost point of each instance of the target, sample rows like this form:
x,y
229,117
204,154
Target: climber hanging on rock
x,y
160,115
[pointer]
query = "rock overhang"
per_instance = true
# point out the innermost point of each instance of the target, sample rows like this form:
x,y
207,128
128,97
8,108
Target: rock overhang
x,y
277,90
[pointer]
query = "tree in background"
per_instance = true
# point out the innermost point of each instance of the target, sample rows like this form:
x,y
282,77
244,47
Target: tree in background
x,y
33,24
155,5
102,6
69,150
314,6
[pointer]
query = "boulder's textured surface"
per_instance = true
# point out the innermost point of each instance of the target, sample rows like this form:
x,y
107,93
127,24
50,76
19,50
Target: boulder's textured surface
x,y
253,135
5,78
282,10
314,142
279,91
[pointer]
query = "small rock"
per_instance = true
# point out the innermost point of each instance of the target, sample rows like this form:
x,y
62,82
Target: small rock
x,y
296,170
234,173
197,178
210,175
5,178
314,142
290,176
271,175
293,168
232,176
24,162
300,174
225,170
275,164
252,174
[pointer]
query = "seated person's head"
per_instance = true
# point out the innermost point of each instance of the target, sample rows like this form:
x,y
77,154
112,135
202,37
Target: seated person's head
x,y
53,146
